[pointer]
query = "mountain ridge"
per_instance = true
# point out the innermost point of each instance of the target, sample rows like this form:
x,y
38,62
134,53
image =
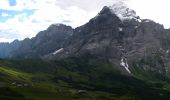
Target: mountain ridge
x,y
123,42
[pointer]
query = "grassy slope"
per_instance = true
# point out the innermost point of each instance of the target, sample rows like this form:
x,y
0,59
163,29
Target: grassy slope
x,y
40,90
61,80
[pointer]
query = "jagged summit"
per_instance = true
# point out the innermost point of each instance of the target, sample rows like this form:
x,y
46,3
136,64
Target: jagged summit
x,y
123,12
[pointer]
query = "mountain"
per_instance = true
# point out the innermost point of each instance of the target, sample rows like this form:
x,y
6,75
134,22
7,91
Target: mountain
x,y
120,36
116,34
44,42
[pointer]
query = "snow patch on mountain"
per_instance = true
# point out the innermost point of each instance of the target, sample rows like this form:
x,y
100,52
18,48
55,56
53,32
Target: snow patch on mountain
x,y
136,26
120,29
58,51
124,64
123,12
146,20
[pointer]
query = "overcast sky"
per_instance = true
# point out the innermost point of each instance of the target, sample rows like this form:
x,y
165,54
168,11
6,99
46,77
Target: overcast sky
x,y
25,18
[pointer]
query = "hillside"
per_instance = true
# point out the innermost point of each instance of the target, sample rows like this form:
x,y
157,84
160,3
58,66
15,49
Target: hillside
x,y
76,79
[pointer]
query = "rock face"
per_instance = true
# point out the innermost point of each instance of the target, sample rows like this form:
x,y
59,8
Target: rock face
x,y
116,34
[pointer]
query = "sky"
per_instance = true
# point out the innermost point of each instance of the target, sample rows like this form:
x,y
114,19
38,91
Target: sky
x,y
21,19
